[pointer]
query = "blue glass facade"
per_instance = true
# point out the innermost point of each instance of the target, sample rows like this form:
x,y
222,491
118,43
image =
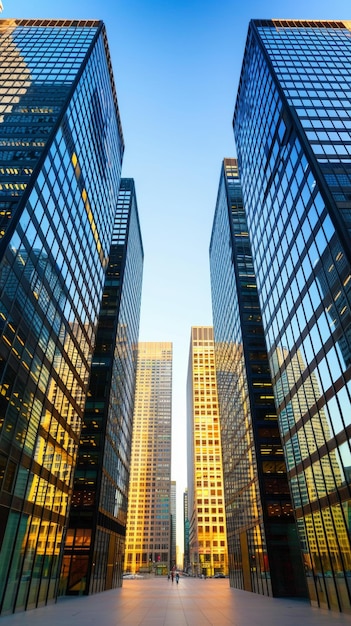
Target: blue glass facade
x,y
95,541
61,149
292,127
263,547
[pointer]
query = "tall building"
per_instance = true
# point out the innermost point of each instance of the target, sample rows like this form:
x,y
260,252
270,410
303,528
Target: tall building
x,y
95,540
263,547
148,540
292,125
186,557
173,555
207,523
61,149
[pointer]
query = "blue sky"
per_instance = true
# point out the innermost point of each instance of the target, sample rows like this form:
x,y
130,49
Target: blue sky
x,y
177,65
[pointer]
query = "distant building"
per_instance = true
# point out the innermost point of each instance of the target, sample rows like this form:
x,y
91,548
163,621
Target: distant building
x,y
148,541
292,125
61,149
207,524
186,561
173,559
95,540
263,547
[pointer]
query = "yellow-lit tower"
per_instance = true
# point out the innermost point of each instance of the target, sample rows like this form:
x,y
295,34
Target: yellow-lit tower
x,y
207,534
149,509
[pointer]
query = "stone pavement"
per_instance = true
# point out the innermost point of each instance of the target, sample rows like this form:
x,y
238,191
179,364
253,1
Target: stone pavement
x,y
159,602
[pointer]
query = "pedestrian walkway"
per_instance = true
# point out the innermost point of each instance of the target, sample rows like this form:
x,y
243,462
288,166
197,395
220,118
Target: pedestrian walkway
x,y
193,602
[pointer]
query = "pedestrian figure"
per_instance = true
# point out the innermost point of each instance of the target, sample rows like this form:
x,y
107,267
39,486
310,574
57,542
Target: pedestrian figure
x,y
177,578
172,576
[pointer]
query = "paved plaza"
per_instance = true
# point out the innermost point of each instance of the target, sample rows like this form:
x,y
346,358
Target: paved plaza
x,y
159,602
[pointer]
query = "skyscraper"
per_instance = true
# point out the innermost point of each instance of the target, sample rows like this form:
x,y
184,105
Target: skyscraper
x,y
186,558
148,541
292,126
263,548
61,149
173,556
207,524
95,540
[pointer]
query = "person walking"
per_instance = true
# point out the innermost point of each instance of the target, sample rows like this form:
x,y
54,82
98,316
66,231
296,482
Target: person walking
x,y
177,578
172,575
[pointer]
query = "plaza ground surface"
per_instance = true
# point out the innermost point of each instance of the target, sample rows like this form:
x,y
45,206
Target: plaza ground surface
x,y
159,602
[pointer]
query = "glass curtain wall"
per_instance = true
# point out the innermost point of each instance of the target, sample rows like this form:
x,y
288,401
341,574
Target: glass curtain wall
x,y
61,148
95,542
292,128
263,548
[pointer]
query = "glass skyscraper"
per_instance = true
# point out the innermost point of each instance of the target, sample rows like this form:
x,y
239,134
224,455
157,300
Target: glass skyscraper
x,y
61,149
148,540
207,522
292,126
95,540
263,546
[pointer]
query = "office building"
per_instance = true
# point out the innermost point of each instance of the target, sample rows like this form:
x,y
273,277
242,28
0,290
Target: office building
x,y
292,125
207,524
263,548
173,556
148,540
95,539
61,149
186,558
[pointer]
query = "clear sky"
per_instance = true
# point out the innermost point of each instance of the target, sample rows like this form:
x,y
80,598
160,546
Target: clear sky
x,y
176,65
